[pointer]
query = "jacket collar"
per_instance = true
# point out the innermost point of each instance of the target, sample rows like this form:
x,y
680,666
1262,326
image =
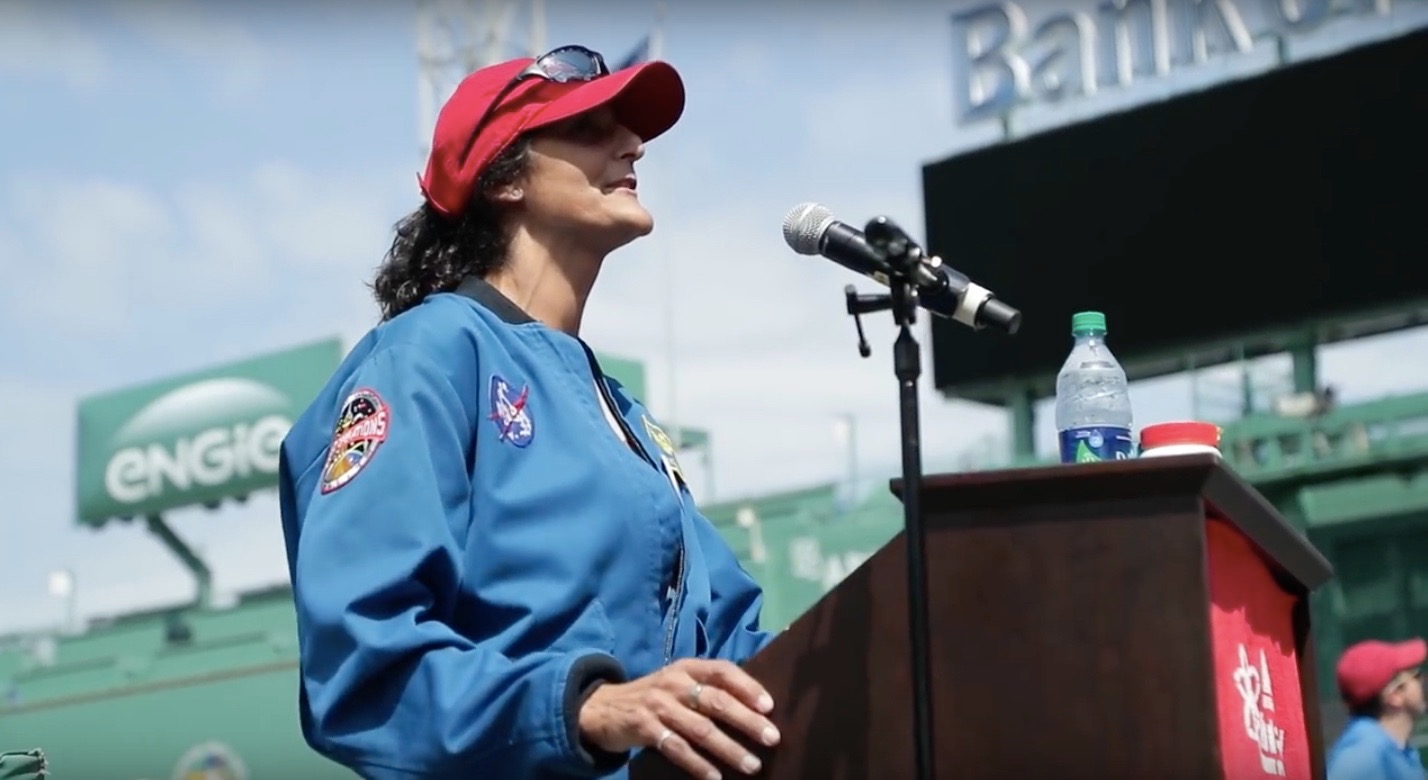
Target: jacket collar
x,y
481,291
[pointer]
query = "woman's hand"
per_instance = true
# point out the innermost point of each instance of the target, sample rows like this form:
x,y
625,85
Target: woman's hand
x,y
681,711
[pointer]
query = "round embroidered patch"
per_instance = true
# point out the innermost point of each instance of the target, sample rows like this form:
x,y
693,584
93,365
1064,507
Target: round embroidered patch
x,y
210,761
361,428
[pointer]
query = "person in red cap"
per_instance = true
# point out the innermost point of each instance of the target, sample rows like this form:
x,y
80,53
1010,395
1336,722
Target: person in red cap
x,y
1382,684
498,568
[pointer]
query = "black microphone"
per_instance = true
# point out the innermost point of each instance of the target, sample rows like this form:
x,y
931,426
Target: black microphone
x,y
810,229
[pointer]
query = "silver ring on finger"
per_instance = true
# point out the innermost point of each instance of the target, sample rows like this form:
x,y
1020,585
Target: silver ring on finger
x,y
664,735
694,692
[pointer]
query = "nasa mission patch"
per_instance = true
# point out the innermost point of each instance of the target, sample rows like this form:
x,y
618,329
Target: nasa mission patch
x,y
510,412
361,428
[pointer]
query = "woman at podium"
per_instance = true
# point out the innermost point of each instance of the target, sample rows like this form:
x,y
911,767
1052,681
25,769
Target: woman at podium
x,y
498,568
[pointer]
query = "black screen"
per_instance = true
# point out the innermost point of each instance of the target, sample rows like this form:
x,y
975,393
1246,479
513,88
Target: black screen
x,y
1295,195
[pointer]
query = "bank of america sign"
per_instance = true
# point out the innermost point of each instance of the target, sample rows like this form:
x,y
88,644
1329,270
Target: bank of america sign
x,y
1046,51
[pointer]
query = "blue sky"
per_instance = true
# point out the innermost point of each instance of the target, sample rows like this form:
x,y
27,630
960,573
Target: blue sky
x,y
183,183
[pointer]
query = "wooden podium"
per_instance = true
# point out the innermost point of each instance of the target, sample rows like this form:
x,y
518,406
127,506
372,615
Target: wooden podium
x,y
1070,633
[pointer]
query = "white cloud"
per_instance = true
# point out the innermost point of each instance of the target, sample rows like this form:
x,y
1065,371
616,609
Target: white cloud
x,y
39,39
41,418
190,29
199,248
56,39
224,239
326,221
75,274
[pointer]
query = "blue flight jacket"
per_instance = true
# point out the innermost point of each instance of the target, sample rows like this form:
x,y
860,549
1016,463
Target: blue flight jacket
x,y
473,546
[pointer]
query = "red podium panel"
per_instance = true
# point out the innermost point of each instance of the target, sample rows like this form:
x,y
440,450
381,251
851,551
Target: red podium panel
x,y
1257,685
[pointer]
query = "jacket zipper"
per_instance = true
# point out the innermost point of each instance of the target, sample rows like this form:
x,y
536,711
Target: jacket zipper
x,y
674,605
634,444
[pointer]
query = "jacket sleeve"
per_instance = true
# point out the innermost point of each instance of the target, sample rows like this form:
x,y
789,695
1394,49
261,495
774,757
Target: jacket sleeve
x,y
389,689
733,626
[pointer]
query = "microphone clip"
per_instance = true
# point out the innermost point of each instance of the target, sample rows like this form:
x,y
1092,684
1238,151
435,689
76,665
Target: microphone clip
x,y
902,258
858,305
901,254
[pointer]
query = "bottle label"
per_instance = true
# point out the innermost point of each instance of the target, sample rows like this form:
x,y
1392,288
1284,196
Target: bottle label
x,y
1092,443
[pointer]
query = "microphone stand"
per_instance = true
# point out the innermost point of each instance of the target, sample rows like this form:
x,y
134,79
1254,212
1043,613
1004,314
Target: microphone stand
x,y
901,256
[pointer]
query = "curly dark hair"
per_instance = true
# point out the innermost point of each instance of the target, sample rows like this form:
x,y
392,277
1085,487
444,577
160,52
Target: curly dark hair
x,y
432,253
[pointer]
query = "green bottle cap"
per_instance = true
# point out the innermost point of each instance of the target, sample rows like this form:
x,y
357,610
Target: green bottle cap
x,y
1086,322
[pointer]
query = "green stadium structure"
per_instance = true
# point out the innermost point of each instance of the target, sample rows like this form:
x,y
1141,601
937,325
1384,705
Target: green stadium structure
x,y
175,693
138,693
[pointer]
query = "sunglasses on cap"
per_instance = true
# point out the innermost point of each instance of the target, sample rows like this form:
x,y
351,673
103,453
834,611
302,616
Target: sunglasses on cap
x,y
562,66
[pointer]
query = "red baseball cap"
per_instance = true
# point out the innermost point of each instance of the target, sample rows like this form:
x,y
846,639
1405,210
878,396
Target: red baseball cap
x,y
648,98
1365,668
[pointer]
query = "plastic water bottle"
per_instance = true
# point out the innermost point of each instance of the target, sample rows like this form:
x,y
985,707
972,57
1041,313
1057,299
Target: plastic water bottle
x,y
1093,411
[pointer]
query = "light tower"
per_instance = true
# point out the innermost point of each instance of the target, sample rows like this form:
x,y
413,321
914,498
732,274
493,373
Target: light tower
x,y
455,37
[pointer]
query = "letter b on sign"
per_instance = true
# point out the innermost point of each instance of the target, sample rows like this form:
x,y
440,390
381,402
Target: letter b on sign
x,y
988,76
